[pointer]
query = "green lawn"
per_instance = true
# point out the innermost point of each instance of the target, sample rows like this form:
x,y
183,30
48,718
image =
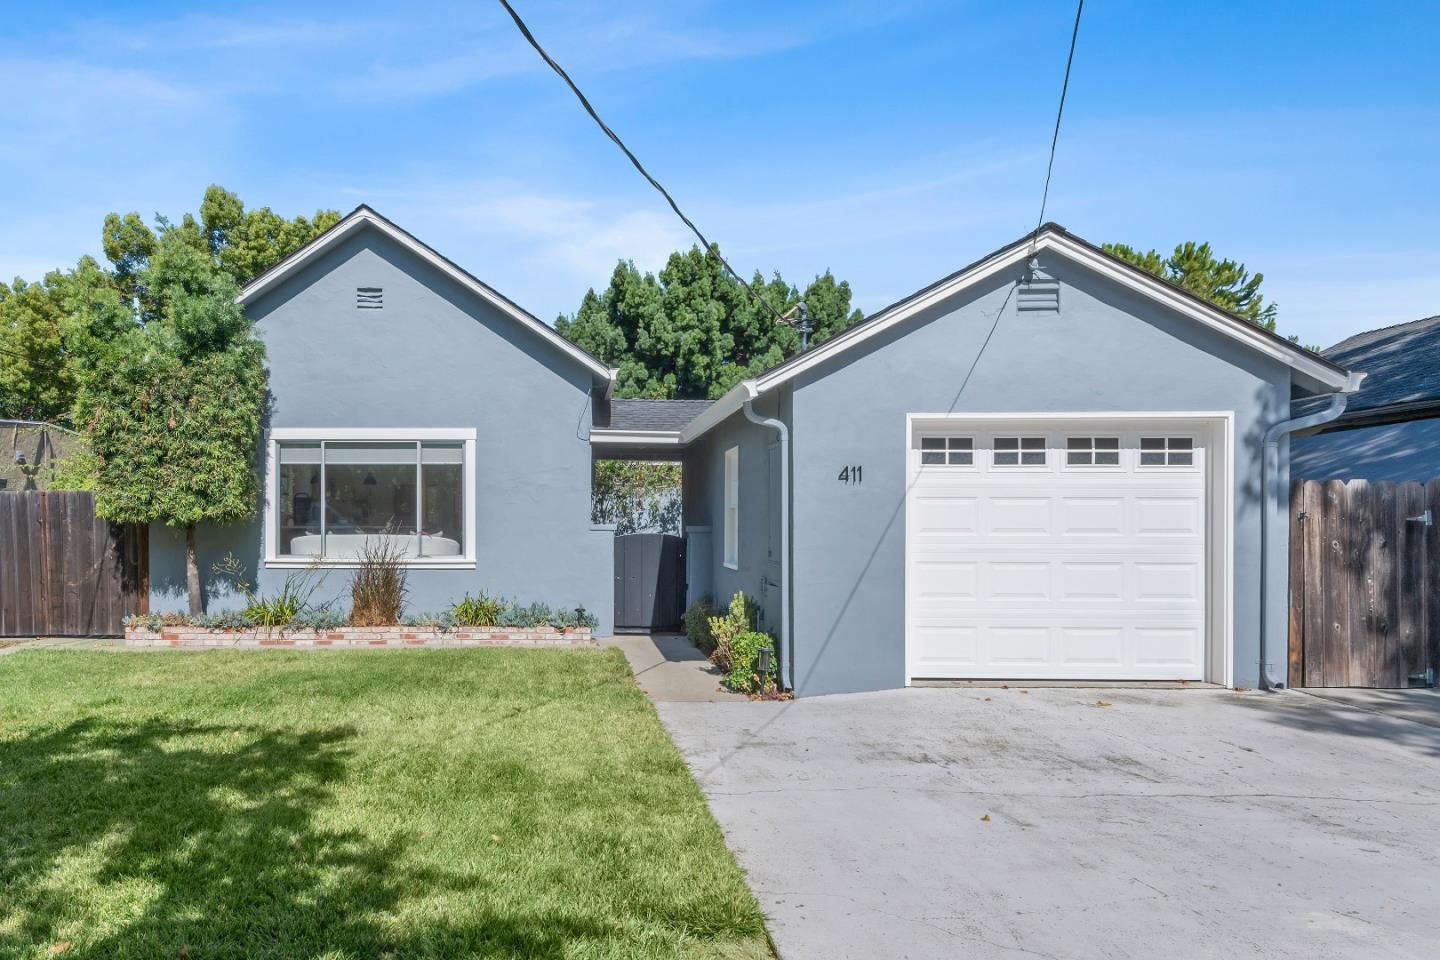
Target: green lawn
x,y
329,804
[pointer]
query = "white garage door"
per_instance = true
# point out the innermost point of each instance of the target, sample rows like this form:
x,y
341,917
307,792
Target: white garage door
x,y
1056,550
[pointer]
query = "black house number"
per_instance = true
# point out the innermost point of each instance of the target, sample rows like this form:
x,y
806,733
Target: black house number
x,y
851,474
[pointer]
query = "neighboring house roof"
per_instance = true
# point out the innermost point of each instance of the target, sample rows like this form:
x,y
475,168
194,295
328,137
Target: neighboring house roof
x,y
1312,372
363,216
1403,367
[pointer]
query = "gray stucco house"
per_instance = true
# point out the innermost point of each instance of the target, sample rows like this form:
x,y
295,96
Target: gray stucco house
x,y
408,394
1048,465
1391,428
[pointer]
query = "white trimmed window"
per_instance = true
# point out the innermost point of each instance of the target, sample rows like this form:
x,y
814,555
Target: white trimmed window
x,y
1092,452
1020,451
333,494
947,451
1167,451
732,508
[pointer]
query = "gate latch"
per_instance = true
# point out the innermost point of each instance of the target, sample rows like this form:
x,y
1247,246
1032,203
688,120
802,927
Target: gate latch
x,y
1426,518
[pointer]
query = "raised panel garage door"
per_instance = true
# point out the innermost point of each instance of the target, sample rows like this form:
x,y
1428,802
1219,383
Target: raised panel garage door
x,y
1056,550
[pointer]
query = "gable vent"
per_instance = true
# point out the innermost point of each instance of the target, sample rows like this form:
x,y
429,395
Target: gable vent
x,y
369,298
1038,293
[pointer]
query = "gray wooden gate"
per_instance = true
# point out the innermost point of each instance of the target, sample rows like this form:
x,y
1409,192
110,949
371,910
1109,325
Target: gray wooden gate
x,y
649,582
64,572
1364,565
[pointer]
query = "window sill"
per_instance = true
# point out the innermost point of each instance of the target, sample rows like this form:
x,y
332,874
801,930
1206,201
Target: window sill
x,y
436,563
730,566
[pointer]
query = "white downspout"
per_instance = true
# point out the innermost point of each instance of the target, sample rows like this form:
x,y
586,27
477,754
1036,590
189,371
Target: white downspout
x,y
787,655
1271,636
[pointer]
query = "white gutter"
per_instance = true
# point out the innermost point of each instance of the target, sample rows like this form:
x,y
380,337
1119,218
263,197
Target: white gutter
x,y
787,650
1271,634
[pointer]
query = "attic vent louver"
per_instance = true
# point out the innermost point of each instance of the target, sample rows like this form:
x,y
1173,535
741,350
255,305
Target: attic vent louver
x,y
369,298
1038,292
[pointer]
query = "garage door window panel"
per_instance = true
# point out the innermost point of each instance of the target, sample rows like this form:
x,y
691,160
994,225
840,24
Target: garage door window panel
x,y
1167,451
1020,452
947,451
1092,452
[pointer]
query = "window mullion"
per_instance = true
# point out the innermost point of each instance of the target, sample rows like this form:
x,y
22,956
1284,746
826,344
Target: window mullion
x,y
324,507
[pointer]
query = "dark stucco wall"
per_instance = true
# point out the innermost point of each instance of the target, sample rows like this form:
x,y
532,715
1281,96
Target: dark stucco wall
x,y
757,572
1107,349
437,355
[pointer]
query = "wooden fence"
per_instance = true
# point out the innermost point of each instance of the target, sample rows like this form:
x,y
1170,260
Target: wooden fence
x,y
63,570
1364,565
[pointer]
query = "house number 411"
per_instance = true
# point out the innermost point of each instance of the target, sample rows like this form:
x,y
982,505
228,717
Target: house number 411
x,y
851,474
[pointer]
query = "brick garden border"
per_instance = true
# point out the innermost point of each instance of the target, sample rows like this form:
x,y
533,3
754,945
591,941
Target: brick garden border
x,y
397,636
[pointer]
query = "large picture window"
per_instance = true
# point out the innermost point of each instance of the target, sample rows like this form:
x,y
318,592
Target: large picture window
x,y
331,499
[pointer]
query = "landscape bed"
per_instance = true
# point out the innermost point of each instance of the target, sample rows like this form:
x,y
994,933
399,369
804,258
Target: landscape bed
x,y
430,803
346,636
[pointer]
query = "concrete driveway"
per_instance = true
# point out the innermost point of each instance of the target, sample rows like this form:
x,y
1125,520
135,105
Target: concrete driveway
x,y
1164,824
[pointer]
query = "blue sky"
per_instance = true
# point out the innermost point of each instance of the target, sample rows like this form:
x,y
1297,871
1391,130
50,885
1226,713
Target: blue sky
x,y
891,142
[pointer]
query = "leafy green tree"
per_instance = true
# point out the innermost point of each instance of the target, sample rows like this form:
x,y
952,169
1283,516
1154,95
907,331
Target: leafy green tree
x,y
46,329
49,330
693,331
173,408
1225,283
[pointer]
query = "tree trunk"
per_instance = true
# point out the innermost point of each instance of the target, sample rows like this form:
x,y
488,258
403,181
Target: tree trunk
x,y
192,572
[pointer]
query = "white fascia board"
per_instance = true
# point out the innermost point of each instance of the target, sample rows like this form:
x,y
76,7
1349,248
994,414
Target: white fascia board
x,y
637,438
720,409
365,216
857,335
1322,375
1317,373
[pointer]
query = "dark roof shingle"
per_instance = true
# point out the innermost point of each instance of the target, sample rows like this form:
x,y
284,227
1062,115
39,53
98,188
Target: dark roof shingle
x,y
659,415
1402,363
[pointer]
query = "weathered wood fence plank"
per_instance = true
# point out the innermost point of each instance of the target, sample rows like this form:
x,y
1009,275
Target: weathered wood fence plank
x,y
64,571
1363,567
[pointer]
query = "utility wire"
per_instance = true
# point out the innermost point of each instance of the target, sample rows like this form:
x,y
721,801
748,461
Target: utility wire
x,y
635,161
1055,138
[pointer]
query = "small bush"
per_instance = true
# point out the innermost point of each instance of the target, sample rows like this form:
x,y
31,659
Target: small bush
x,y
479,611
697,625
224,620
745,675
317,618
437,621
741,617
377,591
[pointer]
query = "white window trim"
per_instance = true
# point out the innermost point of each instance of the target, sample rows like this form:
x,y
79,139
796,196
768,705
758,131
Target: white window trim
x,y
277,435
731,517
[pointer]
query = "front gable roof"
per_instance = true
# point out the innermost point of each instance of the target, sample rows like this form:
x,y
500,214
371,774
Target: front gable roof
x,y
1311,371
362,217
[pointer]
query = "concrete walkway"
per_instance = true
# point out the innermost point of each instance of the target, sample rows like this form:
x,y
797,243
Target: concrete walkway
x,y
1077,824
671,669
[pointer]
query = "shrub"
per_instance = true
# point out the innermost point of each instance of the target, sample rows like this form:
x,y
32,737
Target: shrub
x,y
723,630
480,611
697,624
318,618
745,675
224,620
377,591
438,621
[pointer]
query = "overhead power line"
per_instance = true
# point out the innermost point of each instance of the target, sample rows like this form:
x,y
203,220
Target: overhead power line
x,y
1055,138
634,160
